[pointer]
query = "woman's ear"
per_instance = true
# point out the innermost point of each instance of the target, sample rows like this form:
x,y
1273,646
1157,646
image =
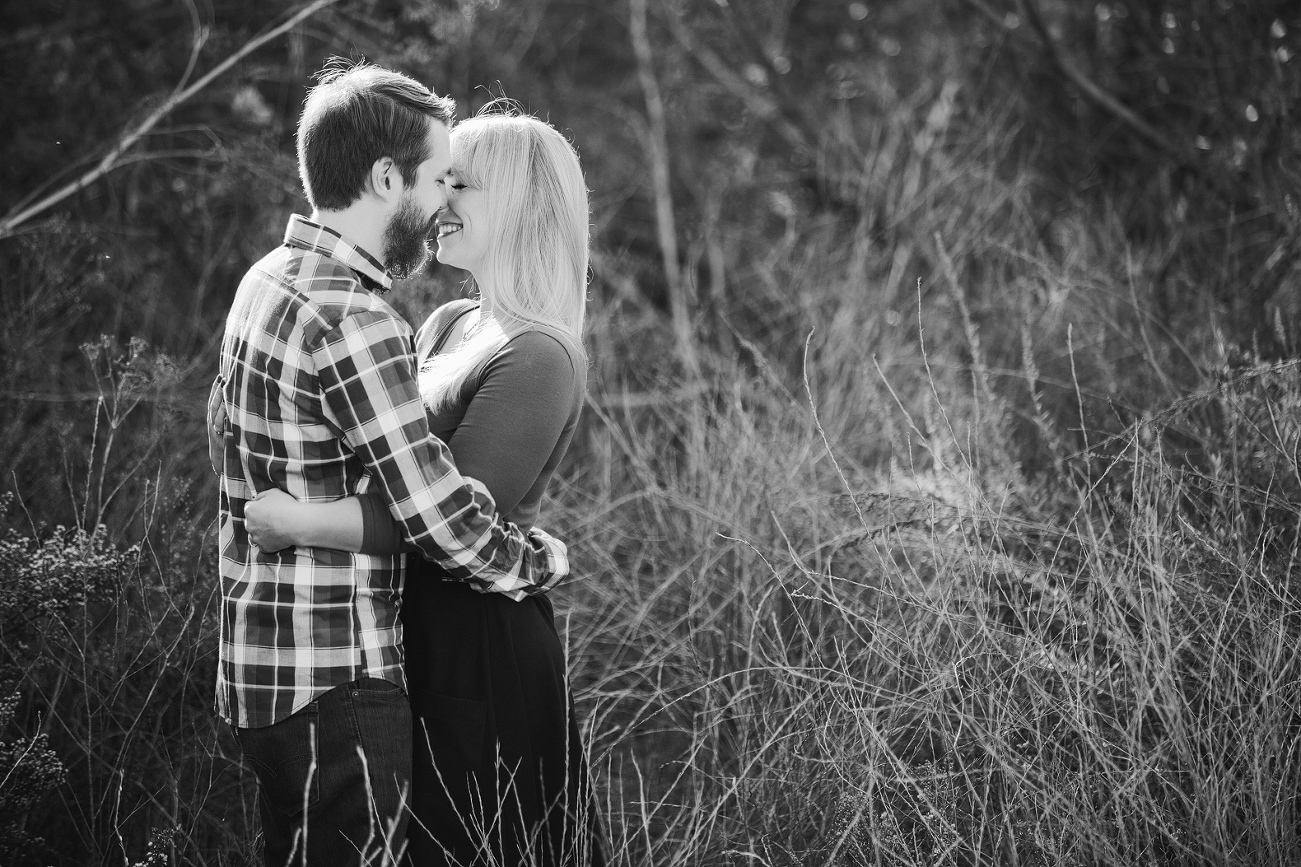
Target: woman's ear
x,y
385,181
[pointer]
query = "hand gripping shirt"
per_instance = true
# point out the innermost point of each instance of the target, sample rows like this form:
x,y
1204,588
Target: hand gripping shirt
x,y
319,382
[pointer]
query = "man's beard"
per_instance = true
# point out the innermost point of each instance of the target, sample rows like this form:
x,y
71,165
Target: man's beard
x,y
406,241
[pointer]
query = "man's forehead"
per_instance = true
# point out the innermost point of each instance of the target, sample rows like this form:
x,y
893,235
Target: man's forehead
x,y
440,146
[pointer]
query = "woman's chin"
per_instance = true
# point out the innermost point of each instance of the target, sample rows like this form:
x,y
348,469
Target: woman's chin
x,y
446,257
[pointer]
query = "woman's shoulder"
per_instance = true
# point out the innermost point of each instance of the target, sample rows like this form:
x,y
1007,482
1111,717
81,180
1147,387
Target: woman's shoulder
x,y
543,343
445,314
436,325
550,359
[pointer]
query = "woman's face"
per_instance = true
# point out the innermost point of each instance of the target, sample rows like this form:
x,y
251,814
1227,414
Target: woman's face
x,y
463,231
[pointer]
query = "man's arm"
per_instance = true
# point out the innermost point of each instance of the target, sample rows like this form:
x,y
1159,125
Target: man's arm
x,y
367,379
509,431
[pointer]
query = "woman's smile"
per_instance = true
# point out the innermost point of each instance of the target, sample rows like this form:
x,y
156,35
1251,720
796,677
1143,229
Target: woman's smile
x,y
462,233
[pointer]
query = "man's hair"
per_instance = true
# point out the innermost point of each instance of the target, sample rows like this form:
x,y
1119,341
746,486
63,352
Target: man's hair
x,y
355,115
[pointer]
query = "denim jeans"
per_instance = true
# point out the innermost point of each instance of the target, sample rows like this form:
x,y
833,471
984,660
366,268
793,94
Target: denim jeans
x,y
334,779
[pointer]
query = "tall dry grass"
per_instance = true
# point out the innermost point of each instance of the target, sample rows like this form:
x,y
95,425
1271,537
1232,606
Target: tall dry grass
x,y
960,555
1003,575
785,657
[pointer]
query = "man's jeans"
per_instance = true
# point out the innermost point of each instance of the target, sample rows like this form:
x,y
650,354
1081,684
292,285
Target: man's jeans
x,y
344,763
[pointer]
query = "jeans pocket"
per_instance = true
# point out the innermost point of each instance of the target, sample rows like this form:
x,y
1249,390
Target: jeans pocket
x,y
376,687
448,729
284,758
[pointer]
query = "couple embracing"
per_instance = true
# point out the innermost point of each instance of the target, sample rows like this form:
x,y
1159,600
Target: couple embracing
x,y
388,659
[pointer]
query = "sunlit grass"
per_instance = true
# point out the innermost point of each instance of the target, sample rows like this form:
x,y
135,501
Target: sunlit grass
x,y
956,554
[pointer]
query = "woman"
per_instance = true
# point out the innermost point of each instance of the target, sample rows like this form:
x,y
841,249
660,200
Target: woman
x,y
499,775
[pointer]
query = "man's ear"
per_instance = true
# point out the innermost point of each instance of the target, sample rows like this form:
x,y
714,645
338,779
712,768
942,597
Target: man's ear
x,y
385,181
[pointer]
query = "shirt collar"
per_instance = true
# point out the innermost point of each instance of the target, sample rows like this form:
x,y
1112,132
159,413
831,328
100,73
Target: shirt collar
x,y
307,235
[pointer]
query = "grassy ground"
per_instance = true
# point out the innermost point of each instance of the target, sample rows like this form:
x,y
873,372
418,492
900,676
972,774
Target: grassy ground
x,y
851,626
782,662
958,552
828,622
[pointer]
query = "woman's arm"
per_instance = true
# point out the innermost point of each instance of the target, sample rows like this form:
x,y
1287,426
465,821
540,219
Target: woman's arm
x,y
510,429
359,524
508,433
276,520
216,421
516,417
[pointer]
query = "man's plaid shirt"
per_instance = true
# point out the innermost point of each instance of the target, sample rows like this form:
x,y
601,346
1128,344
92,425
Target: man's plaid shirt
x,y
319,381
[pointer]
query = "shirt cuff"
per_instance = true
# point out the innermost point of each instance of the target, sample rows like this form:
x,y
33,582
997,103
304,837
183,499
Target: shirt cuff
x,y
379,532
550,559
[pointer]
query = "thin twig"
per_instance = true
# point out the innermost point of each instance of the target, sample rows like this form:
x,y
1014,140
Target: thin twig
x,y
196,45
661,187
763,106
114,157
1096,94
1183,155
826,442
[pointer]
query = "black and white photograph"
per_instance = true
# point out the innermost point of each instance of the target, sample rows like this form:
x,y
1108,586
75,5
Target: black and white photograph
x,y
650,433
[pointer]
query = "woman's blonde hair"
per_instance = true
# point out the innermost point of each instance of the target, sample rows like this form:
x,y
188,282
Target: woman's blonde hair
x,y
535,268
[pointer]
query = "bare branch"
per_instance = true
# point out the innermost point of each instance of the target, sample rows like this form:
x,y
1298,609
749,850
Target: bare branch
x,y
196,44
760,103
113,159
1096,94
658,151
1183,155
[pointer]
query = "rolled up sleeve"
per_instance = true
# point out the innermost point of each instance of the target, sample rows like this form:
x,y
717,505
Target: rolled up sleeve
x,y
365,367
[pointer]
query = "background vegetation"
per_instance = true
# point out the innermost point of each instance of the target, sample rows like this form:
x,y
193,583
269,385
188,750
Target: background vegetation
x,y
937,499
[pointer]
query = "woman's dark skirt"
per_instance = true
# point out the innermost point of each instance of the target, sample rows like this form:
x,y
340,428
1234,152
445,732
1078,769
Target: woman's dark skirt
x,y
499,775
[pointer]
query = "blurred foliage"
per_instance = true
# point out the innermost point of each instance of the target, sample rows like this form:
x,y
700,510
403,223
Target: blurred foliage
x,y
1220,81
784,117
932,221
28,772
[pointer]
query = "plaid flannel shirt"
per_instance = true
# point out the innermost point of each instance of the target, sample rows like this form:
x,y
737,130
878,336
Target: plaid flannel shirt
x,y
318,376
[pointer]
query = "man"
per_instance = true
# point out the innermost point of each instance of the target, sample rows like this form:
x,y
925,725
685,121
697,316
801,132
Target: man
x,y
318,381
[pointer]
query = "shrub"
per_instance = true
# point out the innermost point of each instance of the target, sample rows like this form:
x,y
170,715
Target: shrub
x,y
29,771
42,585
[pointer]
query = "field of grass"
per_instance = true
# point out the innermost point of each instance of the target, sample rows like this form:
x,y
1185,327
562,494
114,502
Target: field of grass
x,y
972,541
843,624
829,618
